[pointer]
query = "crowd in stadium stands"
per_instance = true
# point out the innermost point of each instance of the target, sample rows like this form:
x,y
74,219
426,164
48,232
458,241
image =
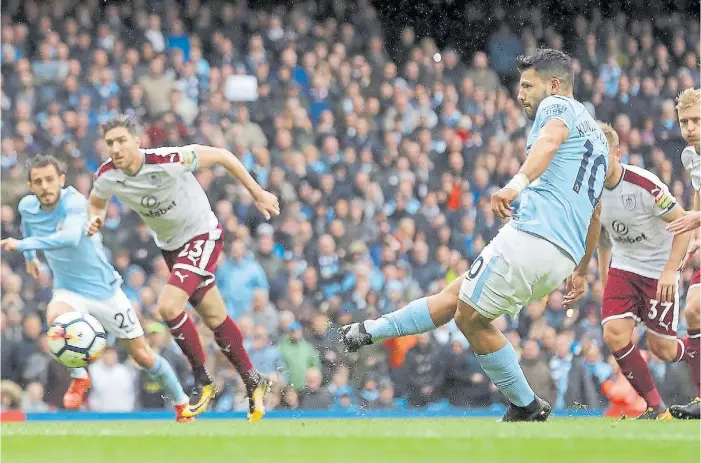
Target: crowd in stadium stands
x,y
384,160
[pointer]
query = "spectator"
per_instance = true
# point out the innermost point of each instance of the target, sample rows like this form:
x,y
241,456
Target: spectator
x,y
535,368
263,311
299,355
314,396
239,276
425,368
466,385
112,379
266,357
33,401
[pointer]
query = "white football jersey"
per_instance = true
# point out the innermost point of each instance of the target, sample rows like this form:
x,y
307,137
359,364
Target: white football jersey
x,y
692,162
164,193
631,214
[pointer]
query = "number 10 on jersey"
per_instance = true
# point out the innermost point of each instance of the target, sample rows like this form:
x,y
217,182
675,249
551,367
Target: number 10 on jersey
x,y
598,161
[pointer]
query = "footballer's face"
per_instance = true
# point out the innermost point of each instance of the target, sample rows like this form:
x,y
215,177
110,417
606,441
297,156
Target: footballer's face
x,y
123,148
689,119
532,90
46,183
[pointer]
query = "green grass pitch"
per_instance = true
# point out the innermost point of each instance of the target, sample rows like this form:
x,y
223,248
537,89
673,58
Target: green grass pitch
x,y
357,441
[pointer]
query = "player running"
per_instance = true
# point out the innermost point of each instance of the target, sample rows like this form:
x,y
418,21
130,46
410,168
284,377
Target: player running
x,y
554,232
54,219
689,114
642,283
160,186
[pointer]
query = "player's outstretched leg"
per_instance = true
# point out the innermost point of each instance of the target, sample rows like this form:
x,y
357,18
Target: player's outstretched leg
x,y
498,359
161,371
230,340
171,306
419,316
618,335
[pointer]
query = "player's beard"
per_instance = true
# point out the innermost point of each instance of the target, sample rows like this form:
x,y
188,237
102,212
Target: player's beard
x,y
49,200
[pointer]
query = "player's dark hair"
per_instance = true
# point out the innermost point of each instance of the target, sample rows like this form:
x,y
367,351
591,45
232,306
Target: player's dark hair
x,y
44,160
122,120
550,63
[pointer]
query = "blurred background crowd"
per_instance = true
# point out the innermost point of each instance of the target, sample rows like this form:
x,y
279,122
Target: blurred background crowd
x,y
384,146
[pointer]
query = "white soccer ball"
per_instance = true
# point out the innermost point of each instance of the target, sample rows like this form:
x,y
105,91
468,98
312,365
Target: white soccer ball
x,y
76,339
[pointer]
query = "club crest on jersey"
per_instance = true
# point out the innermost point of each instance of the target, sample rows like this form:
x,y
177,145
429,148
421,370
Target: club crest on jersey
x,y
155,179
188,157
629,202
59,225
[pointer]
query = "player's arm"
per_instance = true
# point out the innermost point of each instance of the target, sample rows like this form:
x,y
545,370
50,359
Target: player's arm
x,y
604,250
691,220
551,136
541,154
576,283
97,210
32,263
208,156
667,283
68,236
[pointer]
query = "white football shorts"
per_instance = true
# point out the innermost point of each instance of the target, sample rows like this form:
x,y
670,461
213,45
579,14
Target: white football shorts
x,y
116,314
514,269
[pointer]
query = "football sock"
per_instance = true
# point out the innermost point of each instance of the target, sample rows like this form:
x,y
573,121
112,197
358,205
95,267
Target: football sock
x,y
413,318
635,369
79,373
185,334
230,340
503,369
163,372
692,344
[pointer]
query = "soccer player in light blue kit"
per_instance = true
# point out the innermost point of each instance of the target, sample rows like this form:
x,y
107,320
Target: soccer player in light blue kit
x,y
54,221
552,236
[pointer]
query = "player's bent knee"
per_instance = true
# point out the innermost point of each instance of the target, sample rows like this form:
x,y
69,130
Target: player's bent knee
x,y
618,334
171,302
665,349
212,309
468,319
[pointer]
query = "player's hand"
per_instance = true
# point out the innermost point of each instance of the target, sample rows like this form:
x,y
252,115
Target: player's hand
x,y
32,267
94,226
268,204
690,253
576,286
690,221
666,286
501,202
9,244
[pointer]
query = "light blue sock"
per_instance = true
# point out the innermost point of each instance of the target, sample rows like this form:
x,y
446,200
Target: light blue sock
x,y
81,373
413,318
503,369
163,372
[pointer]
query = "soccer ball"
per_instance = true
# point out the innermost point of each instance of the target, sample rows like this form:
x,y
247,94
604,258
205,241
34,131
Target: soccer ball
x,y
76,339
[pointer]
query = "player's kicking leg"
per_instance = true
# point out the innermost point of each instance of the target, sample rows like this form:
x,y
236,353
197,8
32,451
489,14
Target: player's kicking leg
x,y
419,316
513,270
119,319
80,380
692,410
210,305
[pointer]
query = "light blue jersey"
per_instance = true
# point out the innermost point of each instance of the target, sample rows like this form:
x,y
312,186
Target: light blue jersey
x,y
558,206
78,262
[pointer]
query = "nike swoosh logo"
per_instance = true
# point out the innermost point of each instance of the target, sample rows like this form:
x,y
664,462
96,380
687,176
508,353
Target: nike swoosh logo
x,y
202,404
